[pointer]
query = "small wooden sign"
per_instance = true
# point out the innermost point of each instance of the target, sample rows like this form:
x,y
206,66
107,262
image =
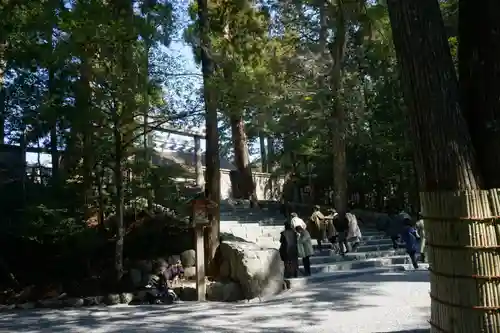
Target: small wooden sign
x,y
201,208
200,211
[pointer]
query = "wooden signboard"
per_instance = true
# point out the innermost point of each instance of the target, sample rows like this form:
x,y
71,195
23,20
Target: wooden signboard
x,y
200,219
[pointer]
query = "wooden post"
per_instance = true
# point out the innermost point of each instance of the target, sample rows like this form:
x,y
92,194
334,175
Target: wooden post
x,y
200,220
201,288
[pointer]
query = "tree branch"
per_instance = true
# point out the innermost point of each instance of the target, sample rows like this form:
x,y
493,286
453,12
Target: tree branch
x,y
158,126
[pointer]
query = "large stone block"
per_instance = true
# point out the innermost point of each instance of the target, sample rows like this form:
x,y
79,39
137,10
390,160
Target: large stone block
x,y
258,271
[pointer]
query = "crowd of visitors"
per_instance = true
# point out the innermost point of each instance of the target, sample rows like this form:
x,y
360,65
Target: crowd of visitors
x,y
345,236
296,239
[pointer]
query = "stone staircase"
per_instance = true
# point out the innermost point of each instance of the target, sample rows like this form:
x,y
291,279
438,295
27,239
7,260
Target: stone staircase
x,y
375,253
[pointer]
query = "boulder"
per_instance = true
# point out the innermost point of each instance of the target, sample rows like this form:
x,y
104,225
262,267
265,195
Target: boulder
x,y
173,260
189,272
188,258
186,292
136,277
215,291
51,303
145,266
26,306
224,292
112,299
225,270
7,307
74,302
232,292
126,298
258,271
93,300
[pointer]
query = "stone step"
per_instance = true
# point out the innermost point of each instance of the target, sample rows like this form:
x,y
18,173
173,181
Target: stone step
x,y
355,256
370,238
303,281
376,242
267,241
262,221
273,243
253,231
262,229
362,248
359,264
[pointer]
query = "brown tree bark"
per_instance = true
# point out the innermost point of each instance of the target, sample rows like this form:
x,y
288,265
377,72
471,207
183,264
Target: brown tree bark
x,y
270,154
212,181
3,65
479,71
241,158
444,155
263,152
124,13
338,126
54,99
83,104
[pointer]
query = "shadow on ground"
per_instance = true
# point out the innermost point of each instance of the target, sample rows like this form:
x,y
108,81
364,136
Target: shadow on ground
x,y
290,312
409,331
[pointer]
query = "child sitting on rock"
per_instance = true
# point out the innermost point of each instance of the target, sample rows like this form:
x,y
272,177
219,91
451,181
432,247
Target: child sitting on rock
x,y
164,287
173,273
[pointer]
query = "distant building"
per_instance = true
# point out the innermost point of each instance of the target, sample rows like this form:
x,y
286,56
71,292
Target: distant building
x,y
185,161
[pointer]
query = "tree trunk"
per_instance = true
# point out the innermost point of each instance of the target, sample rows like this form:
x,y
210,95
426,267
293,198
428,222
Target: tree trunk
x,y
3,64
446,166
337,51
123,114
119,199
263,152
241,158
147,139
212,188
100,178
83,104
444,156
479,69
270,154
53,97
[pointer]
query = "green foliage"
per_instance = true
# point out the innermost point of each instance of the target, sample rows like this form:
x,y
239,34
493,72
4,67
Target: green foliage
x,y
84,77
80,76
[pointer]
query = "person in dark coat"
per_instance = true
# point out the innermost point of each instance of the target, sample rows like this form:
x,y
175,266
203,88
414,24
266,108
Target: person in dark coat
x,y
410,236
341,224
331,232
289,251
395,226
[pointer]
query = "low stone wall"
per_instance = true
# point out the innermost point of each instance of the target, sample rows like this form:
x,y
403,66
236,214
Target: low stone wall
x,y
266,187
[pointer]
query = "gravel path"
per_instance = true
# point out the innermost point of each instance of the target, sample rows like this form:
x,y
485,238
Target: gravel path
x,y
381,303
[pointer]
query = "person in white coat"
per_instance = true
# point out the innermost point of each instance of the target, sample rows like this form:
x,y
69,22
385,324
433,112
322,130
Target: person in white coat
x,y
353,232
297,221
305,248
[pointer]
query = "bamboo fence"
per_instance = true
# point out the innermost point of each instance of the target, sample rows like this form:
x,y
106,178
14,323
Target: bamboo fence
x,y
463,232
